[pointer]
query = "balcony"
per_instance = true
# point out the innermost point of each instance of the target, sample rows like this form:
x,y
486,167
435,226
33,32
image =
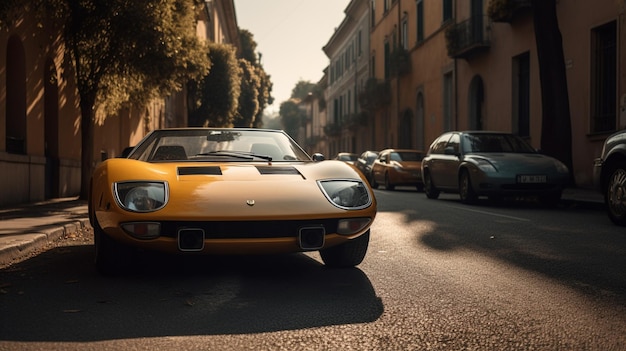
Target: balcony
x,y
467,38
507,10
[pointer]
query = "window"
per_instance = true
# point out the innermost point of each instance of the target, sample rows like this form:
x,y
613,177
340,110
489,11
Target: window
x,y
405,35
447,100
603,78
387,59
447,10
521,97
420,20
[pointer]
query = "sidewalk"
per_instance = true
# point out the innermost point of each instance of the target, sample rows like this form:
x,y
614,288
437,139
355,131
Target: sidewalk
x,y
28,228
25,229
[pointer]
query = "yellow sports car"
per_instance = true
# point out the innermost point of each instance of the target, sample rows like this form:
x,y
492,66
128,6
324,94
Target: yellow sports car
x,y
228,191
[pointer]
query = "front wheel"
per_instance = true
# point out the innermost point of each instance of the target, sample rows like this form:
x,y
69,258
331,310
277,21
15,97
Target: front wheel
x,y
348,254
466,192
429,188
615,196
388,184
111,258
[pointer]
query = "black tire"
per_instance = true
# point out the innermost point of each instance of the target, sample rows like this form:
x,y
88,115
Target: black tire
x,y
429,188
466,192
373,182
388,184
615,196
111,258
346,255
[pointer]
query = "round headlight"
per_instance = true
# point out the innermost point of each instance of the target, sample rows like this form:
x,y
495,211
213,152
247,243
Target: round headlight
x,y
141,196
346,194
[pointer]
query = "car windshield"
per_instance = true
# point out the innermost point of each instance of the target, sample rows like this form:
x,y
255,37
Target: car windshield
x,y
218,145
406,156
474,143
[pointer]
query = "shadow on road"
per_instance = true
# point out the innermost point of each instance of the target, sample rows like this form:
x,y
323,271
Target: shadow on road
x,y
58,296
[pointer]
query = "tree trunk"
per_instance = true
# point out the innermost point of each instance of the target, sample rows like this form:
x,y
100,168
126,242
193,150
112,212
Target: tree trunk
x,y
87,124
556,129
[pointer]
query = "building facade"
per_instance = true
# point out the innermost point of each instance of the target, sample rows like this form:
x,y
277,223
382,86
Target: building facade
x,y
348,127
446,65
40,136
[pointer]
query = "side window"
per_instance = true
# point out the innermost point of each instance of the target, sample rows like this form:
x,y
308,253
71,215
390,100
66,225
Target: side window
x,y
454,143
439,145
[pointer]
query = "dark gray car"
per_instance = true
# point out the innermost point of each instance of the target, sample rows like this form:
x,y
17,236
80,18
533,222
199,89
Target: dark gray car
x,y
493,164
609,174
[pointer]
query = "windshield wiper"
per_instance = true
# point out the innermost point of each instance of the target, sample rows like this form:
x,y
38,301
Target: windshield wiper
x,y
238,154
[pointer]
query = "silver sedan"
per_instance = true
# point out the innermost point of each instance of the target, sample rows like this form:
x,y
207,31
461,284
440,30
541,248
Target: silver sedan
x,y
493,164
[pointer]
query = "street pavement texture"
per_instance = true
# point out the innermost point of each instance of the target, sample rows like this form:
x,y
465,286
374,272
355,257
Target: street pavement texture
x,y
28,229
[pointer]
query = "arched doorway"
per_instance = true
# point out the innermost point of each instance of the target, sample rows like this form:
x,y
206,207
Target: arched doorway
x,y
475,104
405,130
51,129
16,97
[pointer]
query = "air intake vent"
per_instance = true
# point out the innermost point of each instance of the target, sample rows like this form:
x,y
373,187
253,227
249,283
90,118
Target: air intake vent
x,y
266,170
199,171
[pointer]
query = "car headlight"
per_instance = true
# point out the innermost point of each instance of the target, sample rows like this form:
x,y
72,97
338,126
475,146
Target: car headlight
x,y
485,165
346,194
141,196
560,167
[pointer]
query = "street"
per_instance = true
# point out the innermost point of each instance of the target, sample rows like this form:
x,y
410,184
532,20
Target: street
x,y
438,275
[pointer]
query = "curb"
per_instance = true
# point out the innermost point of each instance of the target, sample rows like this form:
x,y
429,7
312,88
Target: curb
x,y
15,248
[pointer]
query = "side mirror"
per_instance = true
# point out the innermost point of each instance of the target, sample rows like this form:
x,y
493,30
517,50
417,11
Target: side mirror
x,y
317,157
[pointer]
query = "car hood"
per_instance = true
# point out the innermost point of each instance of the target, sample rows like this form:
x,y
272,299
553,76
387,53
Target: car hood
x,y
242,190
518,163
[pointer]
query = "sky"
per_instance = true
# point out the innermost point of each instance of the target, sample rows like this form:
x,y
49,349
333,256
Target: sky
x,y
290,35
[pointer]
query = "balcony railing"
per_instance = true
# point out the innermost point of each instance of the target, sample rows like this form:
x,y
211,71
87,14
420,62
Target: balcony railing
x,y
469,37
506,10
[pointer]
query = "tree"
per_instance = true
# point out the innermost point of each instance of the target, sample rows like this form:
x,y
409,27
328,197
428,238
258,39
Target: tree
x,y
116,64
291,117
556,130
249,97
213,100
256,85
302,89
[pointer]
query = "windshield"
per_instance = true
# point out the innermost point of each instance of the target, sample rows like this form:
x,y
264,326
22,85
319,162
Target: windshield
x,y
406,156
218,145
473,143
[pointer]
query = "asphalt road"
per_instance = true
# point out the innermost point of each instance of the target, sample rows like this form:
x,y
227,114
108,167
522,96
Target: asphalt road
x,y
439,275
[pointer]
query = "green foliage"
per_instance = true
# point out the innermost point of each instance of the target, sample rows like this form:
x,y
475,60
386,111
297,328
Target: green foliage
x,y
213,100
255,84
117,63
291,117
302,89
248,99
248,46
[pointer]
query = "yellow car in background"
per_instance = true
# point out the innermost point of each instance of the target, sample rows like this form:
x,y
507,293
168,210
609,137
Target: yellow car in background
x,y
396,167
228,191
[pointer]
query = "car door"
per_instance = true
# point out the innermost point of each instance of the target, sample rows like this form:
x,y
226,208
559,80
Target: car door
x,y
378,168
437,161
450,161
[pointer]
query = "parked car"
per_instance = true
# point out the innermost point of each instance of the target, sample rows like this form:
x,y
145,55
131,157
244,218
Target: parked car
x,y
395,167
609,174
227,191
364,163
346,157
493,164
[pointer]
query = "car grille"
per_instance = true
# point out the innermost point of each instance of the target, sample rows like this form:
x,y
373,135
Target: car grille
x,y
247,229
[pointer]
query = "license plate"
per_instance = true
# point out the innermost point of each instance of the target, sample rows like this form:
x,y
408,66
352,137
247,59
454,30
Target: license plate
x,y
532,179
